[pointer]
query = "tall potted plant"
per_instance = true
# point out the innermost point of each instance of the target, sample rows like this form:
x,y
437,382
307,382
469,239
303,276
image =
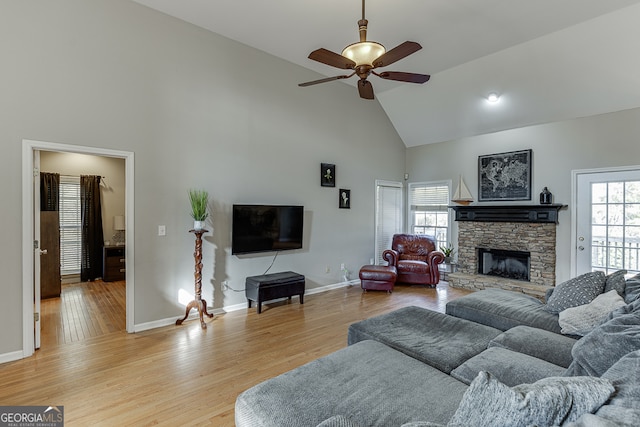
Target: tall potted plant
x,y
199,200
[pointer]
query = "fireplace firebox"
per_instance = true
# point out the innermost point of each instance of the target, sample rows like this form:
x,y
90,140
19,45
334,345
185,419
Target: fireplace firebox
x,y
504,263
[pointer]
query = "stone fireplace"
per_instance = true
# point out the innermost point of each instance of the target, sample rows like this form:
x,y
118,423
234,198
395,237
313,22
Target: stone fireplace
x,y
509,247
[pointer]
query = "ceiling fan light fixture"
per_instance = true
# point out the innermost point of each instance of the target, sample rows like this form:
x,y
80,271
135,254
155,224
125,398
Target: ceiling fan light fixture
x,y
364,53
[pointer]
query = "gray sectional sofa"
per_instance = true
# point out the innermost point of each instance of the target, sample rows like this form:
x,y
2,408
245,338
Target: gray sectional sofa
x,y
495,358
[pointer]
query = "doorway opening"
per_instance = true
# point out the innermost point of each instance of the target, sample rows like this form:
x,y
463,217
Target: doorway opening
x,y
31,232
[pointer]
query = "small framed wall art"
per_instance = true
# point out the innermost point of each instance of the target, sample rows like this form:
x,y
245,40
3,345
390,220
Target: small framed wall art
x,y
344,201
327,175
504,176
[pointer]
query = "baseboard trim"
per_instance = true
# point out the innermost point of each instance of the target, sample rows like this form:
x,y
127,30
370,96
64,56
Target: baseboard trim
x,y
12,357
235,307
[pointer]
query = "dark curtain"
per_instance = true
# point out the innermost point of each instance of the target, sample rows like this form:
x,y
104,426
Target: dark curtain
x,y
92,237
49,191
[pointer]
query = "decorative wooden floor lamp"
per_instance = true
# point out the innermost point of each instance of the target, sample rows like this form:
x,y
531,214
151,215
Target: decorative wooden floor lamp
x,y
198,302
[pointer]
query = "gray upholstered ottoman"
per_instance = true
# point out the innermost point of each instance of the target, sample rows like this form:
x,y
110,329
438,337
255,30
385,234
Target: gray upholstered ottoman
x,y
442,341
367,383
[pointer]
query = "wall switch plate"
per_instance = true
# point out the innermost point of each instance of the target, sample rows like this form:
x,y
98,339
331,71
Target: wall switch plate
x,y
162,230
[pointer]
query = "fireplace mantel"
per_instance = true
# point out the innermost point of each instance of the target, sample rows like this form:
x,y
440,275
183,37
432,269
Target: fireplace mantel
x,y
508,213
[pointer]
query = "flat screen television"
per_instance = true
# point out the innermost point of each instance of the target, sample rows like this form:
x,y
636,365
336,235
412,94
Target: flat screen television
x,y
266,228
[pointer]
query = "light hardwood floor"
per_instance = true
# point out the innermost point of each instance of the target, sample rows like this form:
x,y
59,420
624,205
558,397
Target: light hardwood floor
x,y
183,375
84,310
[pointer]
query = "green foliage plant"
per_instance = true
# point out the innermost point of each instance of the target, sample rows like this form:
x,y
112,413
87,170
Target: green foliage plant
x,y
199,200
448,250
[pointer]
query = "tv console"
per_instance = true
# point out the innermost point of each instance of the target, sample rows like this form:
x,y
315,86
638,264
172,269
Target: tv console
x,y
272,286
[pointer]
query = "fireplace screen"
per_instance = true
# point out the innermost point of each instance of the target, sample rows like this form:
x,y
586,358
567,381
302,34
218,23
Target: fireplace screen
x,y
504,263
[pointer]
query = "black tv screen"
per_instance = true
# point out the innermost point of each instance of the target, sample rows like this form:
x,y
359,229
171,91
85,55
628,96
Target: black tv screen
x,y
266,228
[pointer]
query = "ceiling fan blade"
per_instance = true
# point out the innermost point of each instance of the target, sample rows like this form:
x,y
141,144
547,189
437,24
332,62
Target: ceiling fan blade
x,y
331,58
328,79
365,88
403,77
397,53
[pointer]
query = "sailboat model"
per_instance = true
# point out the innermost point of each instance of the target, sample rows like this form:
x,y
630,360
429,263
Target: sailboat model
x,y
462,195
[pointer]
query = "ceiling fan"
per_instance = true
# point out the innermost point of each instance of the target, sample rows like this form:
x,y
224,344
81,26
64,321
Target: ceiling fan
x,y
363,57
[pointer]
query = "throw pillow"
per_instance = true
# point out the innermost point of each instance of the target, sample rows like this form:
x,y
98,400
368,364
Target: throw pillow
x,y
597,351
582,319
548,294
577,291
625,376
632,289
549,401
338,421
629,308
616,281
422,424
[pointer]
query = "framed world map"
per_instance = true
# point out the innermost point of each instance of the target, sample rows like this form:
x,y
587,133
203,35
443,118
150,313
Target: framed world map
x,y
504,176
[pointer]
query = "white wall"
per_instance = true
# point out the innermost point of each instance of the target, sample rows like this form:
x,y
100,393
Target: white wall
x,y
607,140
199,111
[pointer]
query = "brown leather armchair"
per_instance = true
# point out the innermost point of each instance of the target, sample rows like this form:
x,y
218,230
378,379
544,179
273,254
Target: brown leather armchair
x,y
415,258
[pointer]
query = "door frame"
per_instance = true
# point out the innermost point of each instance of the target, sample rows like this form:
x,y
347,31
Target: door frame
x,y
377,252
28,232
575,174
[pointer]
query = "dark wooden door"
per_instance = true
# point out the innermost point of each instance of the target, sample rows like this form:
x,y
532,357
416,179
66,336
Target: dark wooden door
x,y
50,281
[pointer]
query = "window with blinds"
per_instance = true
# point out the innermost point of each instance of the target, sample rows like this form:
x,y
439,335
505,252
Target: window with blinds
x,y
428,210
70,221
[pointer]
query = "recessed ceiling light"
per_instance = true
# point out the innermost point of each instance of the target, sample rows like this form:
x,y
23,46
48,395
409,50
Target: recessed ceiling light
x,y
493,97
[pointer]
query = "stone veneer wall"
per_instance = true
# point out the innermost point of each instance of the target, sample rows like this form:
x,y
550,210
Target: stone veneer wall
x,y
537,238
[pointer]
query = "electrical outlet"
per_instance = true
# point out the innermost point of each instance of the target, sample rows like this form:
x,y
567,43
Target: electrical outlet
x,y
162,230
225,285
342,266
328,269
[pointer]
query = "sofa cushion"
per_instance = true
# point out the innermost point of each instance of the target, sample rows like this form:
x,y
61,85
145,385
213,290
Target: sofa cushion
x,y
368,383
577,291
436,339
582,319
615,281
509,367
503,310
597,351
550,401
538,343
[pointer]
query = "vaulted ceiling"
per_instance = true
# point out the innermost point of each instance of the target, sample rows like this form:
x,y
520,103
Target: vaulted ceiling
x,y
549,60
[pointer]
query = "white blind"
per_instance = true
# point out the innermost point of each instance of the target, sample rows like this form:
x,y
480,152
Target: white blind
x,y
428,197
428,210
388,216
70,221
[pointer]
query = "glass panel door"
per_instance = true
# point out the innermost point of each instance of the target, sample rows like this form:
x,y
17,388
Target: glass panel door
x,y
608,222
